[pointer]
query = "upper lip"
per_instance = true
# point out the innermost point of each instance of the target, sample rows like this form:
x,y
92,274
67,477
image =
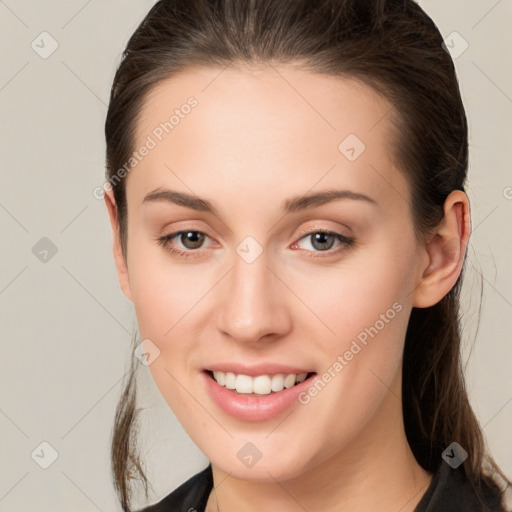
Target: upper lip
x,y
258,369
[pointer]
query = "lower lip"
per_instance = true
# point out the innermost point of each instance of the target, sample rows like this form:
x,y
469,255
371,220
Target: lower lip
x,y
250,407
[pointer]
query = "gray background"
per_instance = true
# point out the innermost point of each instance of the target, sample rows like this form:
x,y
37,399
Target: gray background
x,y
65,325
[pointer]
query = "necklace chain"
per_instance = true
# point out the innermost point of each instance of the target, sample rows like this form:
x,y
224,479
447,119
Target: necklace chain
x,y
216,499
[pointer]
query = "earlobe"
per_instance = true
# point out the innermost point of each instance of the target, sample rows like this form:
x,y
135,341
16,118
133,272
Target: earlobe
x,y
446,251
119,258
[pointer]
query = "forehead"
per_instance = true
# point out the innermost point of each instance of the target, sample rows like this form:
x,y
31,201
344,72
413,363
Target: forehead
x,y
264,99
254,125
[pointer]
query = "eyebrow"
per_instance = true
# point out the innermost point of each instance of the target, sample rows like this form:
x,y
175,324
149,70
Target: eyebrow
x,y
289,205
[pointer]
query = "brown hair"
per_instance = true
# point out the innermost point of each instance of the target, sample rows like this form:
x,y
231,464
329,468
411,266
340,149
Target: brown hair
x,y
394,47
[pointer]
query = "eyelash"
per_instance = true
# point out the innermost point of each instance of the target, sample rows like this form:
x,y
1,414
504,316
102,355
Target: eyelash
x,y
346,243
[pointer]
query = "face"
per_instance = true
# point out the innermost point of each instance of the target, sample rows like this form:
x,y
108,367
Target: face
x,y
270,248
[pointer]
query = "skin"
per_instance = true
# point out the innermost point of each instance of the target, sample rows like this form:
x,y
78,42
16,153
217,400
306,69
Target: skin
x,y
259,136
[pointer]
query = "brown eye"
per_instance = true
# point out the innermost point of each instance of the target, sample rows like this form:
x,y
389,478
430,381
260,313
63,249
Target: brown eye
x,y
191,239
183,243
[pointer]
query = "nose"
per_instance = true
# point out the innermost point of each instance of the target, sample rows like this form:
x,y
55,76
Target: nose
x,y
253,306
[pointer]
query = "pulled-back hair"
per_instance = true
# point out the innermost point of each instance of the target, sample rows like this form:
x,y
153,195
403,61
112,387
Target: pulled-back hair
x,y
390,45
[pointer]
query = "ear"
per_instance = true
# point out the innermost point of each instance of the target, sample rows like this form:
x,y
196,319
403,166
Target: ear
x,y
119,259
445,252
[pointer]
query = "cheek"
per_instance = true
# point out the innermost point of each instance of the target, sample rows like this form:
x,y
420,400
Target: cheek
x,y
366,307
167,298
162,292
369,320
361,294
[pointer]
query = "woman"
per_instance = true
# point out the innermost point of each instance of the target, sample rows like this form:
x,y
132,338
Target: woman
x,y
285,184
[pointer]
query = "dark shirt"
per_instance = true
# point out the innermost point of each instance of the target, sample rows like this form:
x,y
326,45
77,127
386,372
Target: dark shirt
x,y
449,491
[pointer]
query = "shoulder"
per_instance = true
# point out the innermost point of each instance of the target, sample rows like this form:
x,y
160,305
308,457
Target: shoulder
x,y
451,491
191,496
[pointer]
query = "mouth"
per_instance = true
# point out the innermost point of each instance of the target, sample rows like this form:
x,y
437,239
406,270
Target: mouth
x,y
258,385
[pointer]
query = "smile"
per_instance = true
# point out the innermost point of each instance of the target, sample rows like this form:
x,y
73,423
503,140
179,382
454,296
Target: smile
x,y
258,392
259,384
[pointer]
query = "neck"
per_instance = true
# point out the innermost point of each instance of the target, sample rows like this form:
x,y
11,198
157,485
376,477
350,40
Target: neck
x,y
376,471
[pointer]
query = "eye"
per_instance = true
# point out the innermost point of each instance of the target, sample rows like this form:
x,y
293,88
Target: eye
x,y
191,240
323,241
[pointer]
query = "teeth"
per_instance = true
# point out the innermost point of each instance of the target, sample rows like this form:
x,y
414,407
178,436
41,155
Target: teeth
x,y
229,380
220,377
277,382
244,384
261,385
289,381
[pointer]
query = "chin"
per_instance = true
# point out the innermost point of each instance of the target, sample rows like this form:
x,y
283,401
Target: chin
x,y
259,458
